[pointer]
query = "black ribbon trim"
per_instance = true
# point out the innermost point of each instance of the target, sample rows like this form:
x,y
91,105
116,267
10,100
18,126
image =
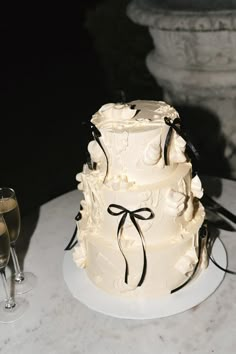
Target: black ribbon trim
x,y
97,134
72,241
204,233
133,216
212,205
202,236
175,125
226,270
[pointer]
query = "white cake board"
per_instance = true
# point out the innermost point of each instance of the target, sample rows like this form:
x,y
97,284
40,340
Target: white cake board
x,y
189,296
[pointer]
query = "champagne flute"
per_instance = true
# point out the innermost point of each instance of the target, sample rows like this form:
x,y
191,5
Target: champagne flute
x,y
9,208
11,309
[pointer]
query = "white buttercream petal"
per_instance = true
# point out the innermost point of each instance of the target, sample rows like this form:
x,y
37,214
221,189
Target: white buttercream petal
x,y
106,107
175,202
196,187
119,183
186,263
95,151
177,149
117,111
152,154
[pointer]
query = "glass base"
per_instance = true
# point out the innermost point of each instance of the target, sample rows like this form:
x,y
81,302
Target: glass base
x,y
22,287
13,314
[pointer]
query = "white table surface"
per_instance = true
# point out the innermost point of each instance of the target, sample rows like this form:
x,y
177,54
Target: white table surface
x,y
58,323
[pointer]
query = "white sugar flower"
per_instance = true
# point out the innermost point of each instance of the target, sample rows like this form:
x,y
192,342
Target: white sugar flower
x,y
152,153
117,111
175,202
96,152
177,150
196,187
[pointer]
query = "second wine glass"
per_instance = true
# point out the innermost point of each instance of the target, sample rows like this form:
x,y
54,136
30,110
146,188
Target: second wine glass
x,y
11,309
9,208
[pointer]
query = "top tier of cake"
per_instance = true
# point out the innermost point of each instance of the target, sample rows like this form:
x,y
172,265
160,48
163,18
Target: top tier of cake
x,y
133,136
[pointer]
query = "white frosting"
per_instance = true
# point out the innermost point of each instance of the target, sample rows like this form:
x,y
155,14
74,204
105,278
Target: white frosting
x,y
177,150
96,152
175,202
116,111
133,137
79,255
134,115
152,153
196,187
186,263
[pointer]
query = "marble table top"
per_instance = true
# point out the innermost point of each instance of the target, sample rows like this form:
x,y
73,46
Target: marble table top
x,y
57,323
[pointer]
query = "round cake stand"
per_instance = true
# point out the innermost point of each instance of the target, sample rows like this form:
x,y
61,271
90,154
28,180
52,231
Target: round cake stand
x,y
189,296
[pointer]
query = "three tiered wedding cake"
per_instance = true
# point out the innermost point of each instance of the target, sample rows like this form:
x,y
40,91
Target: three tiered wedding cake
x,y
141,216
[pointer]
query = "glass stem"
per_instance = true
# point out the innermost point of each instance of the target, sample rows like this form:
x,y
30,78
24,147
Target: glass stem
x,y
19,275
10,303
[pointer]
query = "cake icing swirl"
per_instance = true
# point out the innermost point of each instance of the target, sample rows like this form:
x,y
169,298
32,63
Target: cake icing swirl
x,y
135,114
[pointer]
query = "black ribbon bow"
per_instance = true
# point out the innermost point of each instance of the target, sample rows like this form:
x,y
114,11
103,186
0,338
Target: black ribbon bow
x,y
175,125
135,214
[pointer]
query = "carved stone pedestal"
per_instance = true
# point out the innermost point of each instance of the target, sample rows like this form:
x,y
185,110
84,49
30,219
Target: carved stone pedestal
x,y
194,61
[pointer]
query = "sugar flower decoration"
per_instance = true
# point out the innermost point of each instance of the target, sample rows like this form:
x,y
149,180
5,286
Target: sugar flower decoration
x,y
196,187
117,111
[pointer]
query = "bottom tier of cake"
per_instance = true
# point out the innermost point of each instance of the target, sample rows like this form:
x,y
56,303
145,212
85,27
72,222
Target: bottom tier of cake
x,y
163,266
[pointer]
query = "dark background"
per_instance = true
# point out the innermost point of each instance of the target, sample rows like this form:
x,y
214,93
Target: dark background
x,y
59,65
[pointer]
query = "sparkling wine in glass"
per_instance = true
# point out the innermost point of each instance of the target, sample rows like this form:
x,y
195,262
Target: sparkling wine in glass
x,y
9,208
11,309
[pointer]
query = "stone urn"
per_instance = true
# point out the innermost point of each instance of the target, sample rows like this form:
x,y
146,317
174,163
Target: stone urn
x,y
194,61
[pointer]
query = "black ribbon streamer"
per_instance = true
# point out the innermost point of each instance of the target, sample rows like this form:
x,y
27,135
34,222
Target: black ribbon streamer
x,y
72,241
202,236
175,125
212,205
226,270
97,134
204,233
135,214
